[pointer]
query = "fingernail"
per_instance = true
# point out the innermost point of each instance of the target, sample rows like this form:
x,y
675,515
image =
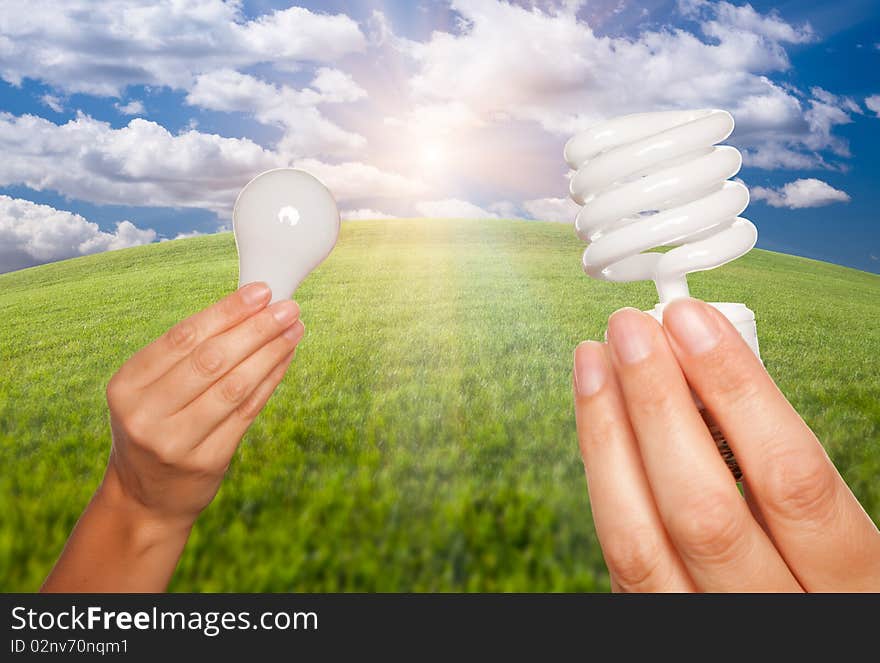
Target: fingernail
x,y
630,335
285,312
255,293
293,332
691,325
590,370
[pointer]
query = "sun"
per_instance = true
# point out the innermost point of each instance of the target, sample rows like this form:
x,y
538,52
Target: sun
x,y
432,156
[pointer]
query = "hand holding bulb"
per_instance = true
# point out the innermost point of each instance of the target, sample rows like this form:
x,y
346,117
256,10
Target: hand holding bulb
x,y
658,179
667,511
180,406
178,410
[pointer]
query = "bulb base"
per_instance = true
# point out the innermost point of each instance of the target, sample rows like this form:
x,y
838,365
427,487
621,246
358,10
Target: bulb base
x,y
740,316
722,446
743,319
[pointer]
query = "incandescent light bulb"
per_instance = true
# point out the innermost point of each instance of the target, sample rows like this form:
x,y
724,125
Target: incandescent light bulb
x,y
285,223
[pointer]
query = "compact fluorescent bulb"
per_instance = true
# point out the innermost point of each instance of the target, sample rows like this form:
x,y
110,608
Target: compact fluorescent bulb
x,y
285,223
659,179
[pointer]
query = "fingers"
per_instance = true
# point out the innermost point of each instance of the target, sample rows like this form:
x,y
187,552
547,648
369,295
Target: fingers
x,y
635,545
158,357
216,356
207,411
220,445
721,545
818,525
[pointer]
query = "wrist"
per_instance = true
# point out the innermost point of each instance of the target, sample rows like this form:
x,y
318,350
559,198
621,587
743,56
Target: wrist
x,y
143,528
119,545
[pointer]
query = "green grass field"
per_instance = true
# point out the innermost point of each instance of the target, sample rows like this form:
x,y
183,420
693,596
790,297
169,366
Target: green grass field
x,y
424,438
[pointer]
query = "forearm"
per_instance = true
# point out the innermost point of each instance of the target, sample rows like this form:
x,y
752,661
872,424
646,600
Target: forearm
x,y
117,546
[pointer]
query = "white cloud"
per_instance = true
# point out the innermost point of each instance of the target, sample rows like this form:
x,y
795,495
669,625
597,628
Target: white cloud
x,y
299,34
364,214
53,102
360,181
187,235
133,107
745,18
801,193
31,234
101,48
453,208
873,104
552,209
550,68
379,28
335,86
483,108
442,118
139,164
506,209
142,164
307,131
198,46
826,111
824,96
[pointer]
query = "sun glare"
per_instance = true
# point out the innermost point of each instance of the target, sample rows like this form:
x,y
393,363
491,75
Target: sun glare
x,y
432,156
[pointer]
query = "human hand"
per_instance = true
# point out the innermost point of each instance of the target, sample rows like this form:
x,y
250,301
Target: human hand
x,y
180,406
666,509
178,409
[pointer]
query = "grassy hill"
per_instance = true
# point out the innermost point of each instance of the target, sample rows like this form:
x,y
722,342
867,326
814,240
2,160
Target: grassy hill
x,y
424,437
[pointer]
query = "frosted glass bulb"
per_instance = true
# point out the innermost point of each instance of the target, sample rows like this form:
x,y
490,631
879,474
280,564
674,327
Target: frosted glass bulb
x,y
285,223
659,180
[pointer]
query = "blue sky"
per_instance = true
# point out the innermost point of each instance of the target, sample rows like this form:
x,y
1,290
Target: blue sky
x,y
135,122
